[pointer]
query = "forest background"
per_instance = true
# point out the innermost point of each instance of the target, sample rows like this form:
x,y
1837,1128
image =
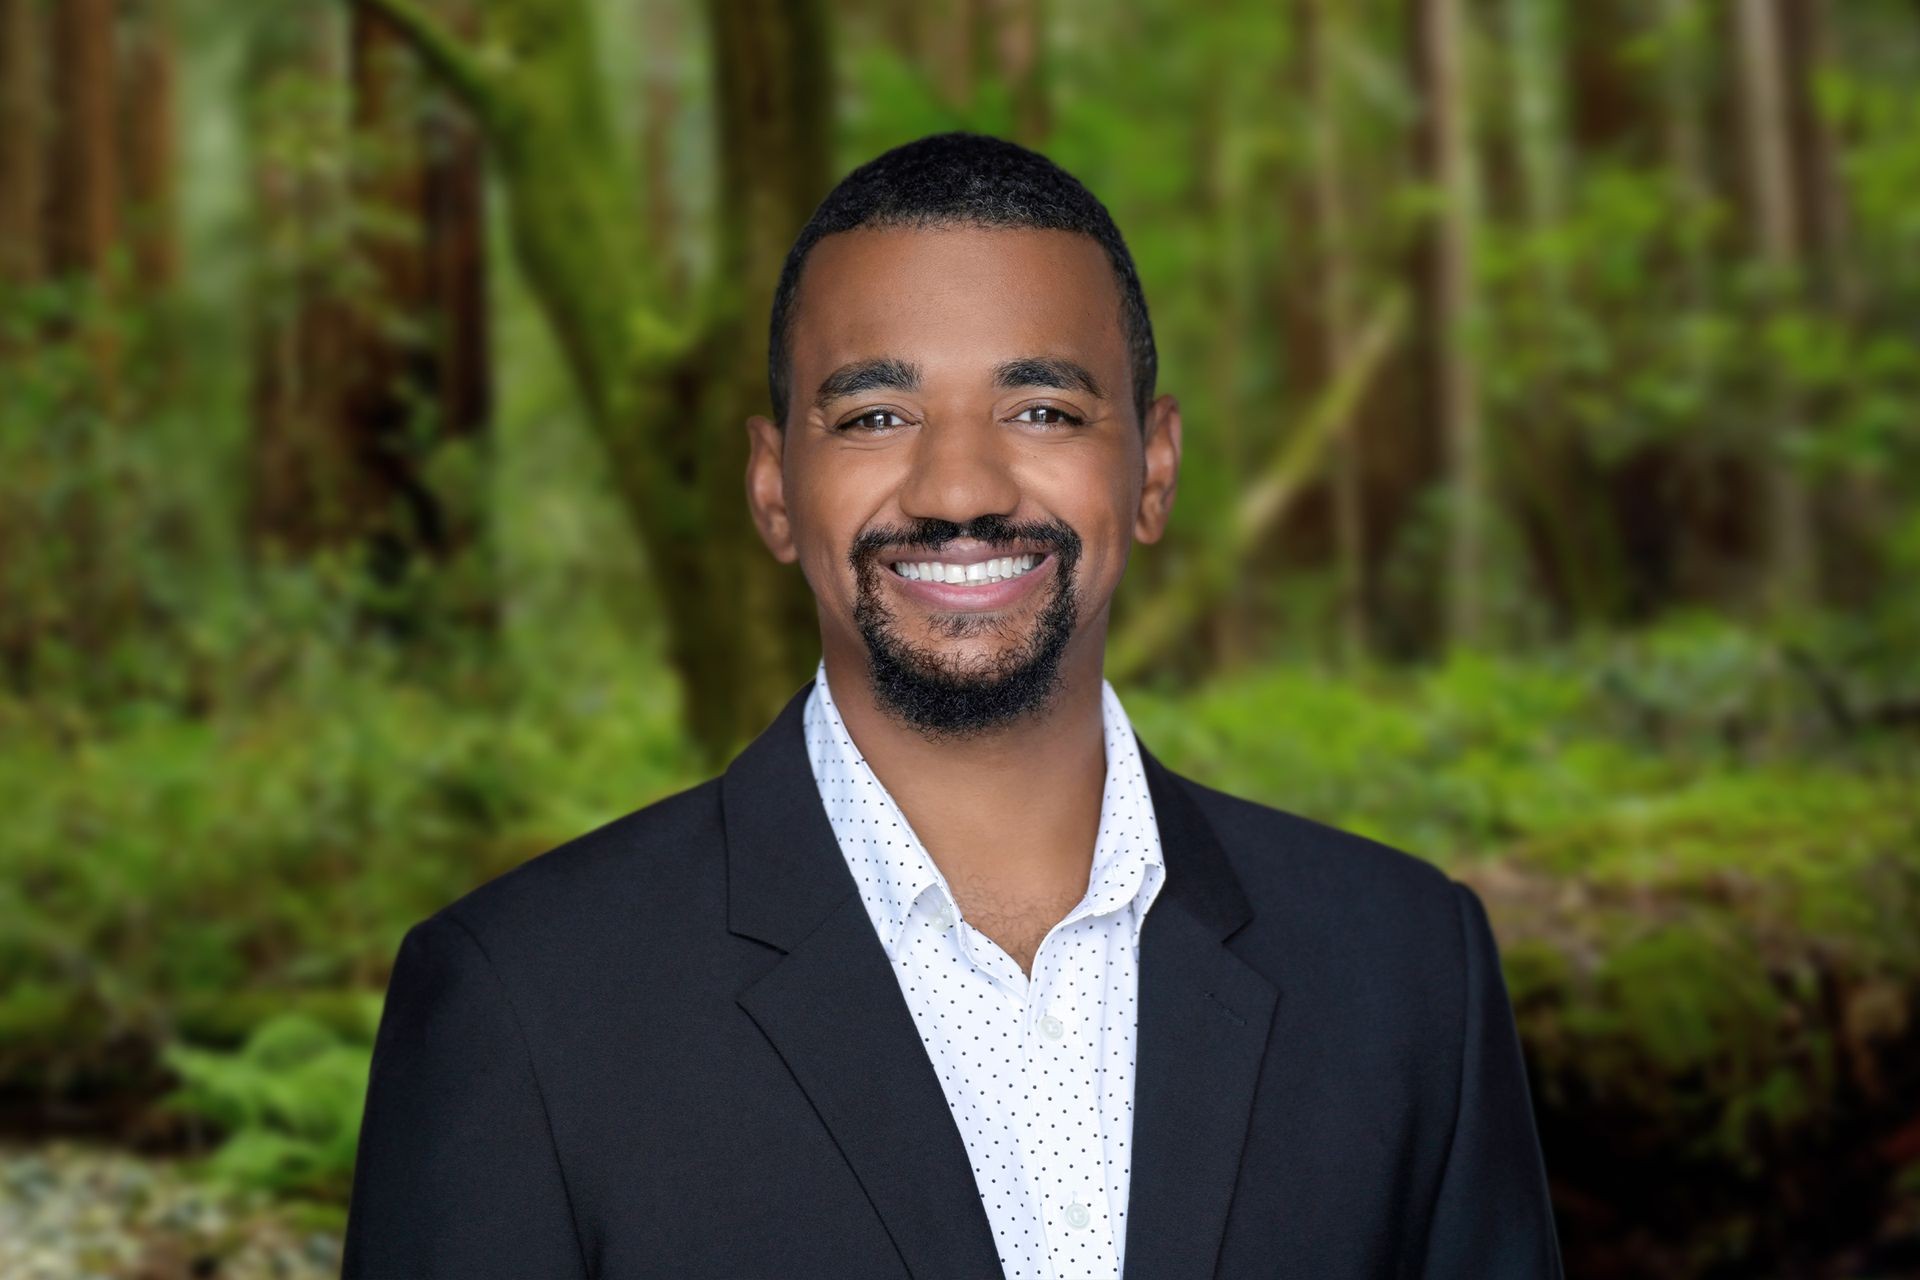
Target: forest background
x,y
372,375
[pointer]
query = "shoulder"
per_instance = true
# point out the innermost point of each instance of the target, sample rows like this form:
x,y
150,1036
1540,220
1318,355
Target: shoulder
x,y
1379,951
658,862
1335,885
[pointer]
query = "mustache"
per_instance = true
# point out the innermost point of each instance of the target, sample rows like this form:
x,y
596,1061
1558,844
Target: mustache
x,y
932,535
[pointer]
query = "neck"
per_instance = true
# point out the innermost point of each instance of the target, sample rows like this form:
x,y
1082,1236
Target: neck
x,y
961,797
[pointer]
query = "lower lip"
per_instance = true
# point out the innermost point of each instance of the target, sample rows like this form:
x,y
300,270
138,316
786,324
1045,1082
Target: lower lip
x,y
961,597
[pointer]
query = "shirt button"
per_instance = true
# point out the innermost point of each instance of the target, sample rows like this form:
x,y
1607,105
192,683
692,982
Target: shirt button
x,y
1076,1214
1052,1028
943,916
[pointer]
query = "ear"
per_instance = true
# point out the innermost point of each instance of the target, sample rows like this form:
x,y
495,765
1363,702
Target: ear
x,y
1162,445
767,487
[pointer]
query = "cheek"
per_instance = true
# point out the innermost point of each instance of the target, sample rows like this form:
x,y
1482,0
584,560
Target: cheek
x,y
828,513
1095,496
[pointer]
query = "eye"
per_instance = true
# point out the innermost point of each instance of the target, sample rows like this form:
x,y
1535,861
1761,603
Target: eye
x,y
865,421
1060,417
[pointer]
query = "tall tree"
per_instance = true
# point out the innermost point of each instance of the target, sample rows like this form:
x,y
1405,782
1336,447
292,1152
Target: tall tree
x,y
1550,474
1220,200
1452,304
1683,135
667,389
83,212
418,379
81,233
1773,219
1020,54
305,491
1820,207
1322,24
23,582
371,358
1852,515
149,153
22,141
664,107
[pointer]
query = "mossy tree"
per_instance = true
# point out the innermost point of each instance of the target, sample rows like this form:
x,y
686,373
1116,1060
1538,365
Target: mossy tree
x,y
667,388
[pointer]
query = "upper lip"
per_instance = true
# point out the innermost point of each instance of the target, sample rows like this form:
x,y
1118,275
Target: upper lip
x,y
963,552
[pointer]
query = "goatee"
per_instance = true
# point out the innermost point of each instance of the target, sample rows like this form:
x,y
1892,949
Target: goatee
x,y
917,685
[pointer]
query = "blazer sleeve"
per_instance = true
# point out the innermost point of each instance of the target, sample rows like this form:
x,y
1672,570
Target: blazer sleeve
x,y
1492,1219
456,1174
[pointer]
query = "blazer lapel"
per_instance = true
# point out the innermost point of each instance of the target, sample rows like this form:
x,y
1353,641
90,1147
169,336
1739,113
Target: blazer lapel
x,y
833,1010
1205,1016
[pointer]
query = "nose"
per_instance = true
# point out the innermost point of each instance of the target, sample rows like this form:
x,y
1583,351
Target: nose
x,y
962,467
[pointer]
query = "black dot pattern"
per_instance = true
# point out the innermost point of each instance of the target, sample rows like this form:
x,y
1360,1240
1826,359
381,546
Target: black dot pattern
x,y
1038,1070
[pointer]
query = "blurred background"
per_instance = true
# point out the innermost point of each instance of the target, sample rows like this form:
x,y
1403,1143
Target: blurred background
x,y
372,375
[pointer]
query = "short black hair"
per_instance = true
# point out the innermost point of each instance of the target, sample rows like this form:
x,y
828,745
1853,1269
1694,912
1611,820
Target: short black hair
x,y
958,179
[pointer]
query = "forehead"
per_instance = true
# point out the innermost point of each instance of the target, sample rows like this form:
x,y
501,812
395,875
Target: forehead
x,y
924,292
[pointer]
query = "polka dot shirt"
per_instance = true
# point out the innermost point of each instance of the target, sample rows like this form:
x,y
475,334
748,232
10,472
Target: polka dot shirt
x,y
1037,1070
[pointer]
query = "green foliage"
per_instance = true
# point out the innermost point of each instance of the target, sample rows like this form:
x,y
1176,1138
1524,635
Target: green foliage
x,y
272,859
289,1100
1698,844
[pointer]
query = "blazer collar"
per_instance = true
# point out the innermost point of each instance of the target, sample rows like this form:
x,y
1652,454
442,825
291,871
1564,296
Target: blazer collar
x,y
785,872
784,869
832,1008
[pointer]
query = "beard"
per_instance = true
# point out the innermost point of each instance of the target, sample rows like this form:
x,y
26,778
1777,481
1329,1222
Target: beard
x,y
946,699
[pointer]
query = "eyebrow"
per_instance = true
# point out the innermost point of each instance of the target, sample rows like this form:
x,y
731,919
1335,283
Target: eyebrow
x,y
1046,371
893,374
867,375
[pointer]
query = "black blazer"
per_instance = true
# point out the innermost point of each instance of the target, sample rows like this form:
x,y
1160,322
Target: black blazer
x,y
674,1047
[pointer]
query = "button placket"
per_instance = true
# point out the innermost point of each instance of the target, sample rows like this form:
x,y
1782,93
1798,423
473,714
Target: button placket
x,y
1050,1012
1066,1139
1043,1118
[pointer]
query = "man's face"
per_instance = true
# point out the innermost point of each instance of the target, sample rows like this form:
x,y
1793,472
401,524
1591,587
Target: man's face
x,y
962,473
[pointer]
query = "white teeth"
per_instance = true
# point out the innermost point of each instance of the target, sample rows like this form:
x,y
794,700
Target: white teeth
x,y
984,571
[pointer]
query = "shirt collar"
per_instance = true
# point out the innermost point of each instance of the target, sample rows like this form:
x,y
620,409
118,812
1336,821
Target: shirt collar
x,y
892,869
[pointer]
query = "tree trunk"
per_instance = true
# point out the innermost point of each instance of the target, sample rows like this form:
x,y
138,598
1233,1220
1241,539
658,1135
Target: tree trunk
x,y
774,91
1683,136
1854,516
23,147
454,228
1550,473
667,394
1322,30
417,378
150,154
83,214
1819,196
1020,56
1440,53
24,580
306,491
1774,225
1228,633
81,233
1607,94
664,107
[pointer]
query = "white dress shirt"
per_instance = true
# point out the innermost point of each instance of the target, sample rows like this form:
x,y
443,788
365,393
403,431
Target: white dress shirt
x,y
1038,1071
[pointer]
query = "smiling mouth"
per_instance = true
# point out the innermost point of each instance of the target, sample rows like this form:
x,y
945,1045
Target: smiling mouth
x,y
979,573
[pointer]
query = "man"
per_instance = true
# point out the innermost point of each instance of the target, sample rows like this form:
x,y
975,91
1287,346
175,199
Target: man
x,y
948,975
